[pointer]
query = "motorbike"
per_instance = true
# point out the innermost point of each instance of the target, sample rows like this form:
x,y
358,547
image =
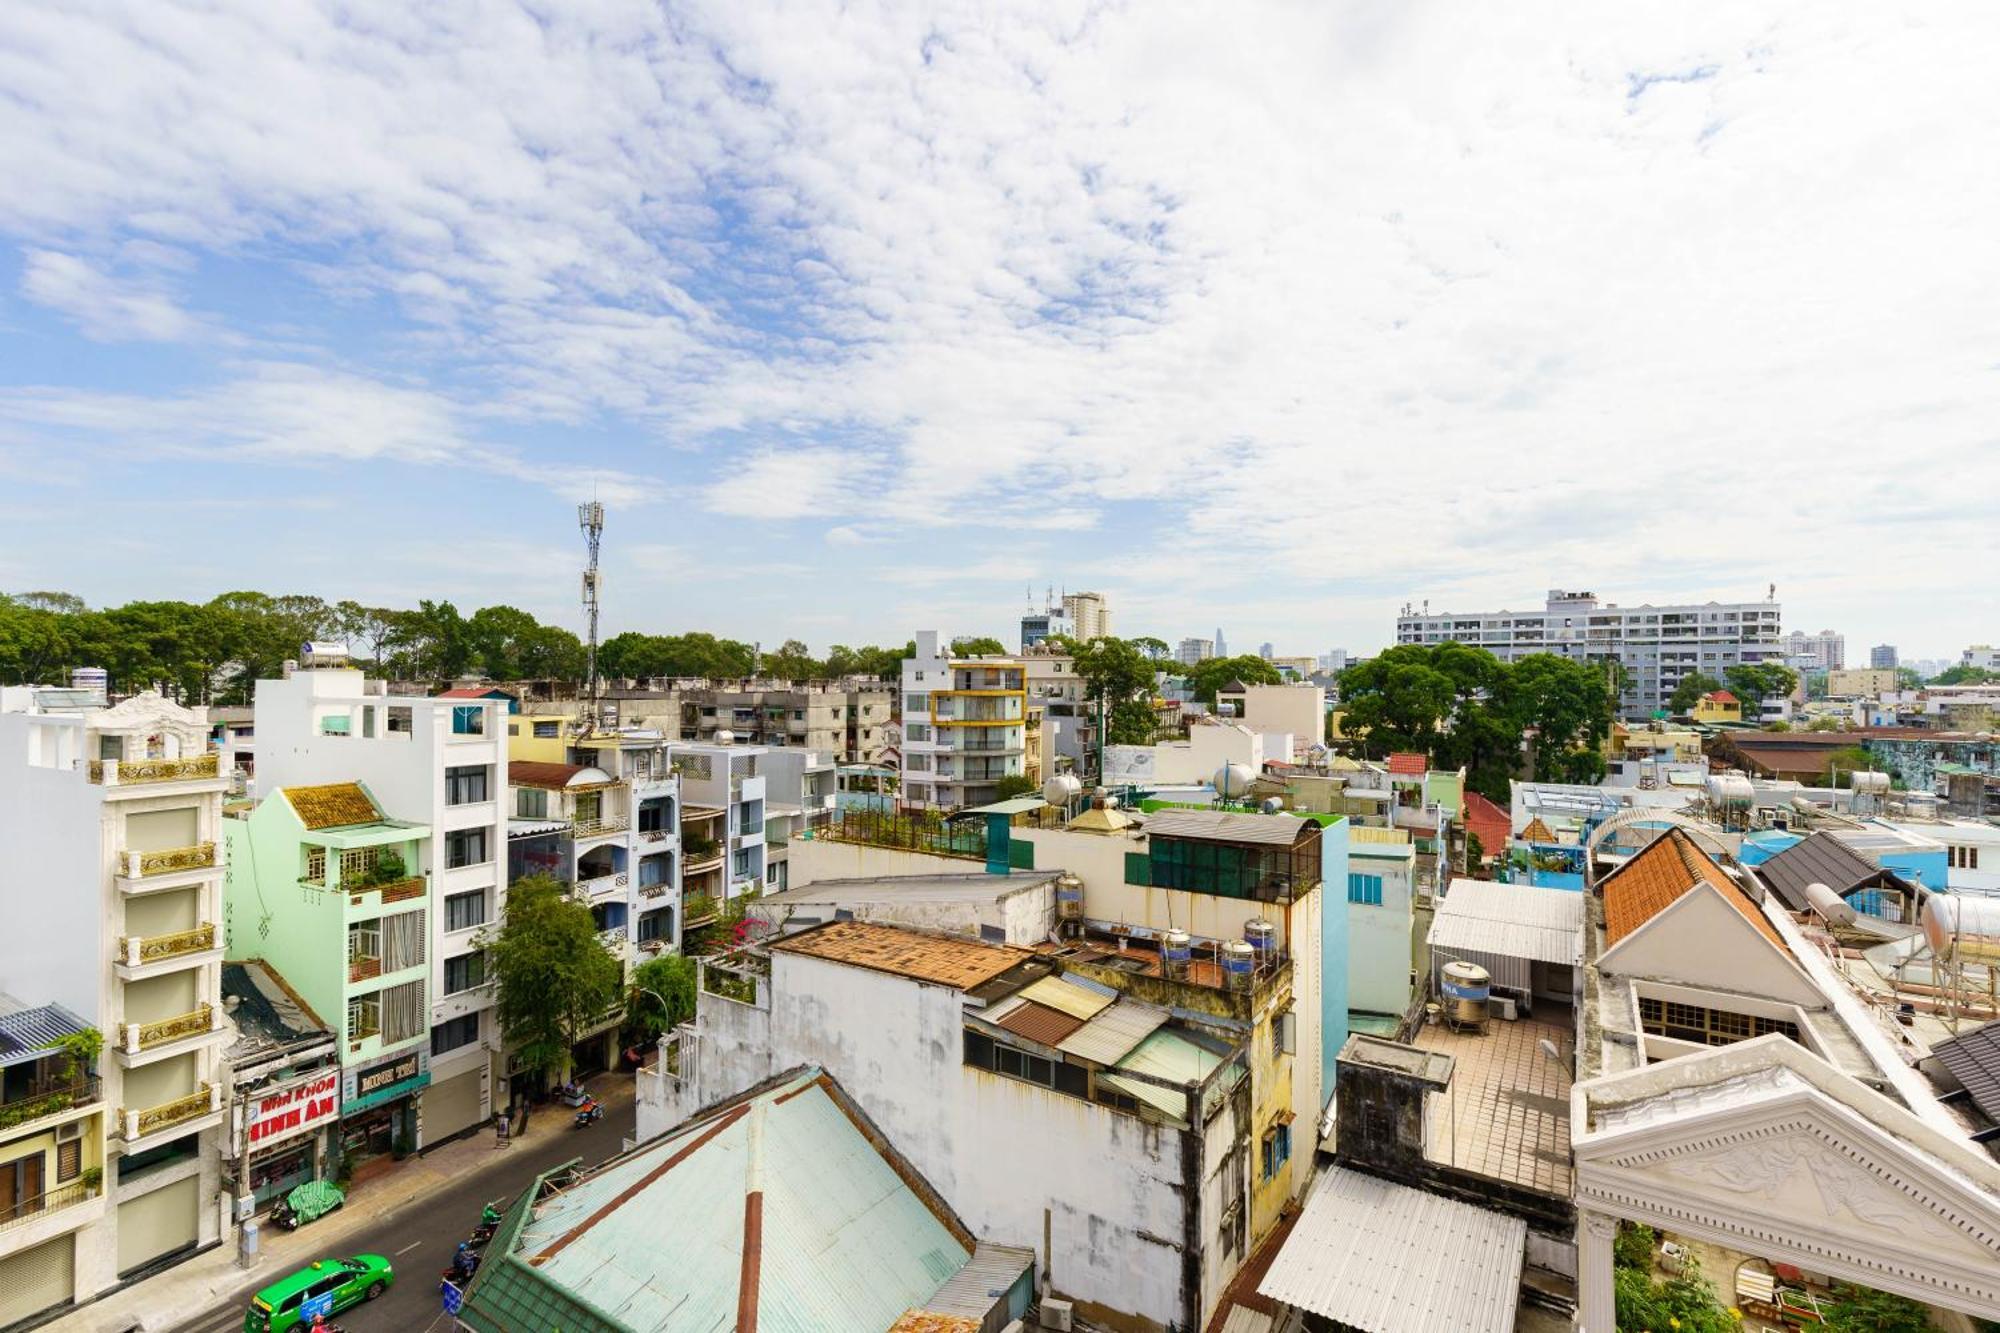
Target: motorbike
x,y
311,1200
588,1114
572,1094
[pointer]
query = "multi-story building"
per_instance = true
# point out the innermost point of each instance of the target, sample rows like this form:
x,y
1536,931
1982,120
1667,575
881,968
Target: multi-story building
x,y
1860,682
724,795
965,725
1037,626
1192,651
1883,655
1067,733
1088,614
1982,655
802,791
111,1166
326,890
440,764
849,719
1656,644
1824,651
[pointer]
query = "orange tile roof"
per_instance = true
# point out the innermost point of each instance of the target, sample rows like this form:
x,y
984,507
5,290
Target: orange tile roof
x,y
1404,762
332,805
1537,831
1489,821
1657,878
940,959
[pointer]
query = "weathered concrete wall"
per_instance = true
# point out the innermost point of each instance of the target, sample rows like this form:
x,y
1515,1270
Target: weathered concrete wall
x,y
816,859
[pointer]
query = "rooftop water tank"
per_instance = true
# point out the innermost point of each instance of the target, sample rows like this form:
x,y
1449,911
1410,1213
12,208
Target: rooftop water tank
x,y
1262,936
1829,904
1962,928
1062,789
1069,897
94,679
1239,965
1731,789
1867,780
1232,781
1176,951
1466,987
725,737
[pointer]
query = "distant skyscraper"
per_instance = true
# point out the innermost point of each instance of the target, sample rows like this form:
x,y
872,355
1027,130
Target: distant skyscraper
x,y
1824,651
1882,655
1089,615
1192,651
1221,647
1266,651
1334,660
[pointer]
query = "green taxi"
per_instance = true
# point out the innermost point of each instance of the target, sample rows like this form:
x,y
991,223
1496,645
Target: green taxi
x,y
292,1302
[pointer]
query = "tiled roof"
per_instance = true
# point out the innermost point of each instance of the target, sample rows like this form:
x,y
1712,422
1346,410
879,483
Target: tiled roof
x,y
334,805
477,692
940,959
1537,831
1414,765
1821,858
1489,821
1974,1060
1655,879
534,773
1721,697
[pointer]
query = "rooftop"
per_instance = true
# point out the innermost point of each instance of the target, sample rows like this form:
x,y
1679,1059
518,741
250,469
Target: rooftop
x,y
1407,764
1506,1114
1517,920
939,959
553,777
971,887
1974,1060
1821,858
270,1017
332,805
1221,826
27,1034
1656,877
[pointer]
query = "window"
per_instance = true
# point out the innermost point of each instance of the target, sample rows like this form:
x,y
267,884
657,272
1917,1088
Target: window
x,y
916,703
463,911
1964,858
1285,1033
465,784
403,941
315,872
1277,1149
401,720
364,943
464,972
364,1016
465,847
1707,1027
404,1013
656,925
531,803
357,864
1365,889
918,731
454,1034
548,731
69,1160
335,726
468,720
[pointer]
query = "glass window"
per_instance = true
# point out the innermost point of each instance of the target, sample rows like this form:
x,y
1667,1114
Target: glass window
x,y
1365,889
548,731
531,803
468,720
463,911
464,972
465,847
465,784
455,1033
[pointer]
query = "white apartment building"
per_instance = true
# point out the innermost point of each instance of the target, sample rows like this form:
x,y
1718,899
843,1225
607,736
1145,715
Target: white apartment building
x,y
802,787
1192,651
111,817
1982,655
723,794
964,725
1657,644
640,911
1088,614
441,763
1824,651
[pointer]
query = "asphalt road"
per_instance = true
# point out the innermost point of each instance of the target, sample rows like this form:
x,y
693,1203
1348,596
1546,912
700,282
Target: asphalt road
x,y
420,1237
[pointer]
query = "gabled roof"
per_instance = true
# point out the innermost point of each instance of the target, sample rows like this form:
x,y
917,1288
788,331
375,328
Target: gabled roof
x,y
1408,764
1537,831
1821,858
332,805
478,692
784,1208
1489,821
1721,697
1974,1060
1657,877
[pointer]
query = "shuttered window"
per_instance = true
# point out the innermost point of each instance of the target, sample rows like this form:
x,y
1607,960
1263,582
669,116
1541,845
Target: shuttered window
x,y
402,941
403,1013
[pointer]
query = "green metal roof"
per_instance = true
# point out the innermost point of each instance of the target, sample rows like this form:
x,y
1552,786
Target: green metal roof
x,y
657,1240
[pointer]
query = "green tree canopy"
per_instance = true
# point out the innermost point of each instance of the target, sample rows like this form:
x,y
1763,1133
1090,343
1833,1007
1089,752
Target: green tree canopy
x,y
1211,674
1012,785
1114,673
1965,674
662,996
979,645
1149,646
1754,682
1570,710
1686,694
555,978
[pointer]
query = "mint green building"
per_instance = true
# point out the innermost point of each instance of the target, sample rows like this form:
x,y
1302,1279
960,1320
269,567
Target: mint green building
x,y
319,886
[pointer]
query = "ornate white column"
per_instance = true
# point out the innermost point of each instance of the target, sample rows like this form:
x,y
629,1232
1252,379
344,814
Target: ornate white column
x,y
1597,1311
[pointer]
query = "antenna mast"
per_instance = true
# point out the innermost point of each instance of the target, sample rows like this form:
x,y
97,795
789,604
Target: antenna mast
x,y
590,518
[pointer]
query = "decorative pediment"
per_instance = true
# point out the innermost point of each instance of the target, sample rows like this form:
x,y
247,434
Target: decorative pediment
x,y
148,714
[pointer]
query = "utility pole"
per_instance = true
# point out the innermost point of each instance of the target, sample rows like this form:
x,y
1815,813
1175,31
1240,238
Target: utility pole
x,y
590,518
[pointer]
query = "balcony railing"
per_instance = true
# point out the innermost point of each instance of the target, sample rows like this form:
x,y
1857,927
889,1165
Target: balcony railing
x,y
152,1119
592,828
126,772
145,1036
138,950
655,890
44,1099
655,834
168,860
49,1201
364,969
392,891
597,884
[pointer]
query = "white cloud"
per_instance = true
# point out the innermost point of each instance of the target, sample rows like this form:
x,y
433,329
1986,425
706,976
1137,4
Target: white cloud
x,y
105,307
1361,302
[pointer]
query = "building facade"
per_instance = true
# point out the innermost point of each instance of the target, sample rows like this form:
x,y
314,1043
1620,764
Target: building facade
x,y
1824,651
965,726
440,764
110,1168
1088,614
1883,655
1657,644
1192,651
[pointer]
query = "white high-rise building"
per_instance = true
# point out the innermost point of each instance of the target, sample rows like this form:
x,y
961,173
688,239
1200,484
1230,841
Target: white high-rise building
x,y
1088,614
1824,651
441,763
965,725
112,822
1656,644
1982,655
1192,651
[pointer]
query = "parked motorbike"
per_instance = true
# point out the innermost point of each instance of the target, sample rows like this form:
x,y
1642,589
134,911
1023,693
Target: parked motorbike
x,y
588,1114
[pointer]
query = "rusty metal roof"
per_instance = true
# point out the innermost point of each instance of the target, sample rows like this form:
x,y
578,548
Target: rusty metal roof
x,y
940,959
1037,1022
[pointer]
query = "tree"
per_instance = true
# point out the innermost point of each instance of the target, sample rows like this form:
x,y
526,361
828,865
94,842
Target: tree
x,y
1686,1301
1754,682
792,661
1693,685
1011,785
1965,674
1148,646
1566,704
1826,724
978,645
1211,675
1909,678
662,996
1846,762
1864,1310
1116,675
554,976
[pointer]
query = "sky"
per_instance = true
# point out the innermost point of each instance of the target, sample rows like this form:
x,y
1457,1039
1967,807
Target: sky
x,y
864,317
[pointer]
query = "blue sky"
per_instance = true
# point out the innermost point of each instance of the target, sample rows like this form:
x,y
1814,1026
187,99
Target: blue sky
x,y
863,317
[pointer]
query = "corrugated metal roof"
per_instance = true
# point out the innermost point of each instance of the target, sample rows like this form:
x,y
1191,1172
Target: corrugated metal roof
x,y
1111,1036
1167,1101
1061,993
1019,805
1974,1060
982,1283
1371,1254
845,1243
1223,826
1171,1056
1243,1319
1038,1022
27,1034
1517,920
943,960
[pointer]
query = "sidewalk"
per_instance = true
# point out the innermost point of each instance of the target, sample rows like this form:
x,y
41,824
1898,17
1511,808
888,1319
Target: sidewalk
x,y
188,1289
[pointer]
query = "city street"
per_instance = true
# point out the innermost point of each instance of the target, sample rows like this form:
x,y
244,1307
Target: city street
x,y
419,1238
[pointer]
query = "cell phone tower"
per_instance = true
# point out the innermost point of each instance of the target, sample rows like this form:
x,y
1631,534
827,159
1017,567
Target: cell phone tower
x,y
590,518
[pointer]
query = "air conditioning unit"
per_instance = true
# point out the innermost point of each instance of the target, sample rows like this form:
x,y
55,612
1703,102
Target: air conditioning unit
x,y
1056,1314
70,1132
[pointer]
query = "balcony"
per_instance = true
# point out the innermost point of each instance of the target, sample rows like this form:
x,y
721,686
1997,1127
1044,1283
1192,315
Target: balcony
x,y
603,886
598,828
15,1217
138,772
162,1035
137,867
205,1100
46,1099
363,969
391,891
159,953
615,941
